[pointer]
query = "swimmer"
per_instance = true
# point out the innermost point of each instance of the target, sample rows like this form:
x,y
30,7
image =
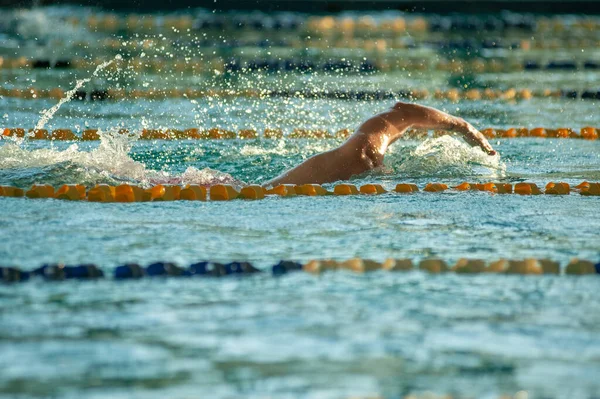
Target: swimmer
x,y
364,150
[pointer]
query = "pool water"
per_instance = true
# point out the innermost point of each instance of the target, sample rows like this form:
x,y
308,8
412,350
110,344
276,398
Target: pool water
x,y
333,336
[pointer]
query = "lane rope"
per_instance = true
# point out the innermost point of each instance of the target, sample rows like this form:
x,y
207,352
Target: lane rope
x,y
224,192
464,266
454,95
586,133
382,62
345,25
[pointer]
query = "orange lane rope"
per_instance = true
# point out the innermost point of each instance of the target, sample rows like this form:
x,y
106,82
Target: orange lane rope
x,y
587,133
223,192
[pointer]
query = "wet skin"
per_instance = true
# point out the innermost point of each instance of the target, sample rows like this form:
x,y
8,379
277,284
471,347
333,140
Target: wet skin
x,y
365,148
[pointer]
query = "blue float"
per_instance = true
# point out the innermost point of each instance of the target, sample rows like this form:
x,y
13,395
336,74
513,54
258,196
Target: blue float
x,y
165,269
285,266
86,271
12,275
129,271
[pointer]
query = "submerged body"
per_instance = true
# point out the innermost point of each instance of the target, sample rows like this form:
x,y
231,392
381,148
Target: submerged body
x,y
365,149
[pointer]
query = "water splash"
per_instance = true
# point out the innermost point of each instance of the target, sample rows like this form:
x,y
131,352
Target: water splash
x,y
47,114
446,157
109,163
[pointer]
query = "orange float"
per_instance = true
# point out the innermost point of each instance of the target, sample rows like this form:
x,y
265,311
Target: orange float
x,y
283,190
247,134
10,191
589,133
40,191
435,187
372,189
526,189
310,190
273,133
433,266
552,133
549,267
165,193
358,265
192,133
469,266
579,267
101,193
396,265
558,188
563,133
90,135
223,192
345,189
128,193
592,190
472,94
498,266
63,134
538,132
153,134
38,134
14,132
490,187
218,134
253,192
504,188
193,192
405,188
71,192
509,134
464,186
527,266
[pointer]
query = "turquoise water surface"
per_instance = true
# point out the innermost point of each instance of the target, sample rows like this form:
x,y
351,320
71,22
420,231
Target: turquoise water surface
x,y
299,336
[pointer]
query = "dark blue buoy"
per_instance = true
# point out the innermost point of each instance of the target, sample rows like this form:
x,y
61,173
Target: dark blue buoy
x,y
80,95
367,66
562,65
98,95
129,270
50,272
164,269
285,266
12,275
40,64
86,271
240,268
199,268
569,94
597,267
531,66
590,95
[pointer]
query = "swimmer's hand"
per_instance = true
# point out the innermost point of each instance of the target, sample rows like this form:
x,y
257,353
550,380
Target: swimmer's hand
x,y
473,136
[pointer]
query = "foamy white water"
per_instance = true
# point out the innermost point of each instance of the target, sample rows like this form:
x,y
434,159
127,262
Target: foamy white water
x,y
449,156
110,160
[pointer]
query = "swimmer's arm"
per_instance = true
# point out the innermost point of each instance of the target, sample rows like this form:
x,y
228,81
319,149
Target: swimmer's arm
x,y
405,115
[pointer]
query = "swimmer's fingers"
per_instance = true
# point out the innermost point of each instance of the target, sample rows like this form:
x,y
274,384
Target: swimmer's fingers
x,y
475,138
